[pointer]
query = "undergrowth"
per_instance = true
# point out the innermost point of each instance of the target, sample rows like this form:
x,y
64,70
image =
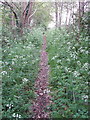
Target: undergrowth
x,y
20,63
69,73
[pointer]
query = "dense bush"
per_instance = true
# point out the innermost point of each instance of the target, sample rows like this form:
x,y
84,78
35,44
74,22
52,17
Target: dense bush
x,y
20,60
68,60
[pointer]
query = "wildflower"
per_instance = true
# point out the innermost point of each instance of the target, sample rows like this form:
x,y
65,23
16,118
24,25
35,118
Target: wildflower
x,y
78,62
85,97
24,80
4,72
54,57
68,60
76,73
86,66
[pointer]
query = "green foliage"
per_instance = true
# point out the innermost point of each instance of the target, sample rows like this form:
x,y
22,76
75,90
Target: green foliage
x,y
84,23
20,63
42,16
68,60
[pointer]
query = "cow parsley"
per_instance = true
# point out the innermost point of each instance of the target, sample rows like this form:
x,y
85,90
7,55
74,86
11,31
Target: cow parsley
x,y
76,73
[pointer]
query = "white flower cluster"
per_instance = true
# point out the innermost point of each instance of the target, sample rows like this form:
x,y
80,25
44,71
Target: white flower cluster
x,y
86,66
85,97
82,50
76,73
16,115
78,62
24,80
73,55
67,69
4,72
54,57
68,43
9,105
58,61
68,60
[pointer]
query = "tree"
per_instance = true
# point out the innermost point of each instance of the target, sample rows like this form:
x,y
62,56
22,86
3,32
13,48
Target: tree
x,y
56,13
60,13
22,19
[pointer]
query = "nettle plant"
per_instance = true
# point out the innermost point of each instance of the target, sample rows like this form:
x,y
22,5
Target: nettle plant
x,y
20,63
68,60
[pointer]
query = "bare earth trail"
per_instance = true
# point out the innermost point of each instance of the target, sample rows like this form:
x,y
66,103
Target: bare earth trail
x,y
41,84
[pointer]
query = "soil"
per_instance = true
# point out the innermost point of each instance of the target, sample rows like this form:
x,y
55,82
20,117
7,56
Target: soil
x,y
43,98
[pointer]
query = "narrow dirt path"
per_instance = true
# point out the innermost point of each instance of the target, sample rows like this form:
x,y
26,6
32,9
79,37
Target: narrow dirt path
x,y
43,98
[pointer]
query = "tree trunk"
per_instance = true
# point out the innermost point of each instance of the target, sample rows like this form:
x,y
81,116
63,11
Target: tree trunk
x,y
56,12
79,16
60,13
66,22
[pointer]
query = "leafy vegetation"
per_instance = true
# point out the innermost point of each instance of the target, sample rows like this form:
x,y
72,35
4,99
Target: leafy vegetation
x,y
41,19
66,28
68,60
20,59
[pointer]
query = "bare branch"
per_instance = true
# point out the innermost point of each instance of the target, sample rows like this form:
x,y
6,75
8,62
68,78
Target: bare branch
x,y
26,7
15,15
32,14
15,5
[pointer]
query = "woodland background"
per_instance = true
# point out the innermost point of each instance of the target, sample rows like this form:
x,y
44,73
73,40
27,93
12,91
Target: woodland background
x,y
67,27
